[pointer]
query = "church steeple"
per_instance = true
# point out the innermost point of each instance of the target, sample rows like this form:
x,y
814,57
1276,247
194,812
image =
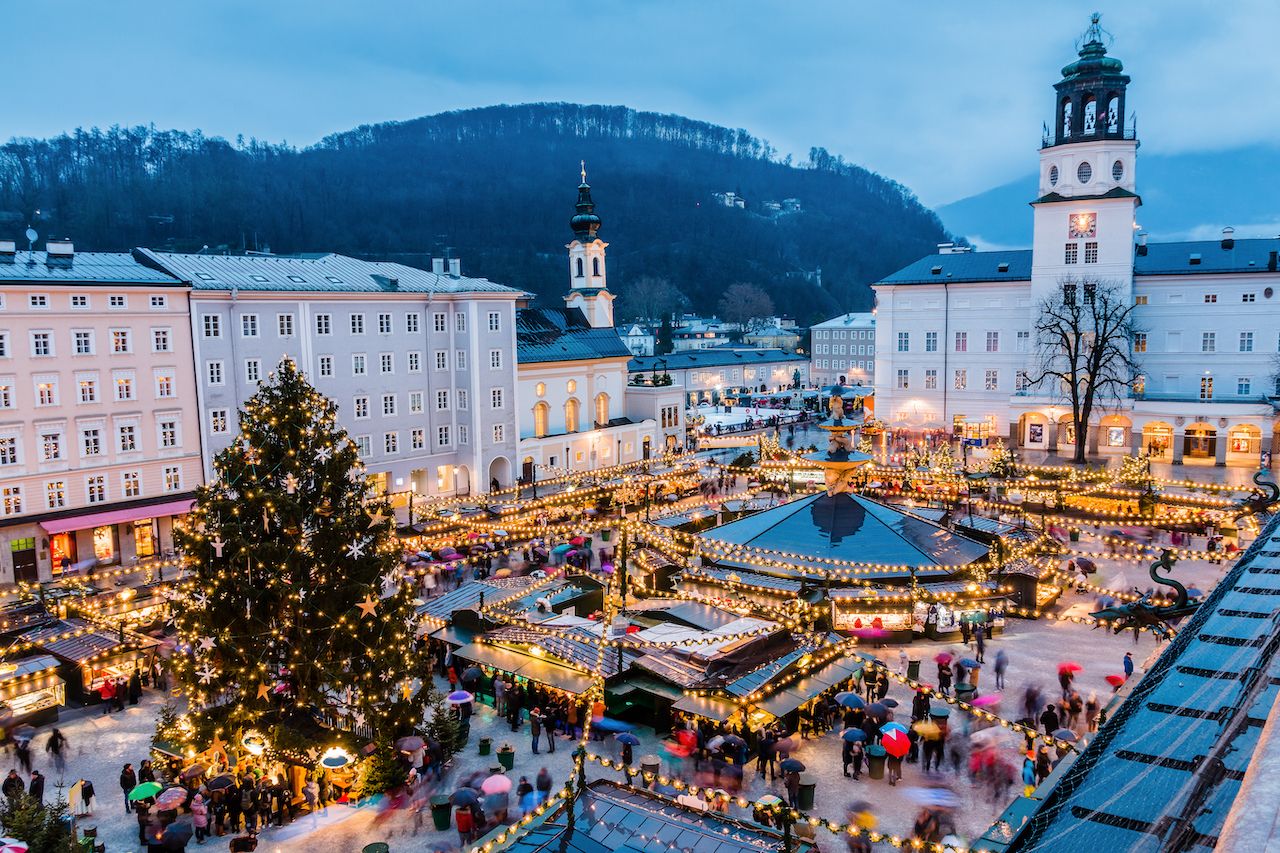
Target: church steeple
x,y
1090,95
587,278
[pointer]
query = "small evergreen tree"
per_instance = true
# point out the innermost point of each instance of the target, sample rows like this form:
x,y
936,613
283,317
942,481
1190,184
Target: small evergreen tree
x,y
44,828
294,596
382,771
443,727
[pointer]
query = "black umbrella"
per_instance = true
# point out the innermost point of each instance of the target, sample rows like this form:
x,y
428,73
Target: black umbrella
x,y
472,673
176,836
878,710
217,783
792,765
734,741
464,797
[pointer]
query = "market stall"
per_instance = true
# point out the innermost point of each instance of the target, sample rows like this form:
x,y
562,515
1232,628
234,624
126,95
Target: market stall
x,y
31,690
88,657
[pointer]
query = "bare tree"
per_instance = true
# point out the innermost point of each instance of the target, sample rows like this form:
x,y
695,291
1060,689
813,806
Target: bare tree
x,y
651,298
745,304
1084,337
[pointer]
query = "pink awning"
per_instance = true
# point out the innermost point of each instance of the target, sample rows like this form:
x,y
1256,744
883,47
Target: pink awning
x,y
117,516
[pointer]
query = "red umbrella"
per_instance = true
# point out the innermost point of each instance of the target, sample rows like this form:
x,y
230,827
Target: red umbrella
x,y
942,657
577,540
1069,666
1115,680
896,743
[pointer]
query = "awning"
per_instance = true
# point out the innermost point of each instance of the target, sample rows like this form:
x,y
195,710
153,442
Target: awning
x,y
783,702
716,710
117,516
541,671
648,685
453,636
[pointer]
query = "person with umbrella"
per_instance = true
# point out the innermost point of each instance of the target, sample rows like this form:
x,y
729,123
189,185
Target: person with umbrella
x,y
628,741
767,755
128,781
791,769
1065,676
944,676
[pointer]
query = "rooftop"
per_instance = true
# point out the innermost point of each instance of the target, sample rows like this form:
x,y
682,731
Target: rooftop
x,y
712,358
857,319
563,334
82,268
310,273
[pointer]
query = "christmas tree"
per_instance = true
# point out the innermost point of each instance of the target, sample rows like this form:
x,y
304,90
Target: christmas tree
x,y
294,600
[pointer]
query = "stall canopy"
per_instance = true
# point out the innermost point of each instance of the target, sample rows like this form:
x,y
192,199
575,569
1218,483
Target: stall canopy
x,y
716,710
63,639
575,646
526,666
117,516
788,699
18,677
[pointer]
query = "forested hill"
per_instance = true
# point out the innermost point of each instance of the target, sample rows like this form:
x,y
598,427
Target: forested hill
x,y
495,185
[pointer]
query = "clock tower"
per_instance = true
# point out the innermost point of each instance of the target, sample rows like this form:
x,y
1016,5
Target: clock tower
x,y
587,278
1087,202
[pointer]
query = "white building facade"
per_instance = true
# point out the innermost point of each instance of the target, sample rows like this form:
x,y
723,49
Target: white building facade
x,y
844,346
956,331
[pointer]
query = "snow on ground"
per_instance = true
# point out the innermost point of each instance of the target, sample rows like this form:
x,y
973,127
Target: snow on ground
x,y
739,415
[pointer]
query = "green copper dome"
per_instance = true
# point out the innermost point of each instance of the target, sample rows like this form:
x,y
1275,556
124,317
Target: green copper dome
x,y
585,223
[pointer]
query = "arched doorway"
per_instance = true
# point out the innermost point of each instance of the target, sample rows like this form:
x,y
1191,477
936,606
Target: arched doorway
x,y
526,469
1114,434
462,480
647,448
1200,441
1067,434
499,472
1157,439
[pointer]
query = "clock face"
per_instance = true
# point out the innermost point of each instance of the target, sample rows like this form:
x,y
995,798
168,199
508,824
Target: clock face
x,y
1082,225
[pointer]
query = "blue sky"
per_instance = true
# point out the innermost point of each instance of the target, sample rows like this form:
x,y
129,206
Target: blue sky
x,y
946,97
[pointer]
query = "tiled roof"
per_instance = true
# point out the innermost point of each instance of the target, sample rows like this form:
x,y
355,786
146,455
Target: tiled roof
x,y
563,334
864,319
712,358
583,653
1176,258
310,273
86,267
1170,760
965,267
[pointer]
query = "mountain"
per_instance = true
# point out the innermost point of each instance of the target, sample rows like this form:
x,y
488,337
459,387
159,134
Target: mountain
x,y
1184,196
496,186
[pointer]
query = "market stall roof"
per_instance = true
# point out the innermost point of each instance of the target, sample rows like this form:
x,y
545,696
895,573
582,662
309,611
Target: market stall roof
x,y
647,684
453,636
973,589
61,638
12,671
785,586
1165,771
807,688
709,707
573,645
692,613
612,818
850,528
467,596
540,671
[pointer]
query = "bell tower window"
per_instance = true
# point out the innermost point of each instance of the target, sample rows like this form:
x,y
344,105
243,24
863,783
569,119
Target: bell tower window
x,y
1053,176
1113,115
595,267
1084,173
1090,116
1117,171
580,268
1066,118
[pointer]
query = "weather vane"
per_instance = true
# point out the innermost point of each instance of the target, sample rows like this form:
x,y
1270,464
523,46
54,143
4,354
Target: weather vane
x,y
584,170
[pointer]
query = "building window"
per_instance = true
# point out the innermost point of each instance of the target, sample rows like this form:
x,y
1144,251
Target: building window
x,y
442,436
418,439
931,380
991,380
1210,298
961,379
904,378
12,499
326,365
460,324
91,442
904,341
252,370
438,322
159,301
83,342
249,326
993,342
6,394
462,399
324,324
50,446
930,341
357,324
391,442
168,433
358,364
117,300
56,494
1246,342
495,321
47,393
499,434
128,437
463,437
120,341
1020,381
1208,342
1248,297
442,400
495,359
1139,341
442,360
1090,252
8,451
495,398
411,322
384,324
1072,253
364,446
41,344
160,340
164,385
388,405
89,390
1244,386
1140,300
571,415
132,484
212,326
386,362
285,324
460,360
218,421
415,362
96,489
214,369
1206,387
173,479
4,344
361,407
79,300
38,300
962,341
415,402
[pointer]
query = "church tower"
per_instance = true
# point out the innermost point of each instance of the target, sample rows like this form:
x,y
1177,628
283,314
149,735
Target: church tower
x,y
1087,204
587,281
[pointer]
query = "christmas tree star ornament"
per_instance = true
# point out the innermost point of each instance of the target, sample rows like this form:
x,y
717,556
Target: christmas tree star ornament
x,y
207,673
356,549
205,644
376,518
323,454
368,607
264,691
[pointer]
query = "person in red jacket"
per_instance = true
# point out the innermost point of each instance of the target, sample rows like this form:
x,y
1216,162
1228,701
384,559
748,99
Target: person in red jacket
x,y
108,693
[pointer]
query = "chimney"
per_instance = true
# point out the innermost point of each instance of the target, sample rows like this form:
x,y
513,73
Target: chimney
x,y
59,248
1228,237
8,248
1271,261
455,267
1142,242
437,266
945,248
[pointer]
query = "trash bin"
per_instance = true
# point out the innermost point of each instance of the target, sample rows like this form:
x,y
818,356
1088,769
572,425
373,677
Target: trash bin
x,y
875,761
1074,534
486,745
965,691
378,847
441,813
913,669
650,764
808,785
507,756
